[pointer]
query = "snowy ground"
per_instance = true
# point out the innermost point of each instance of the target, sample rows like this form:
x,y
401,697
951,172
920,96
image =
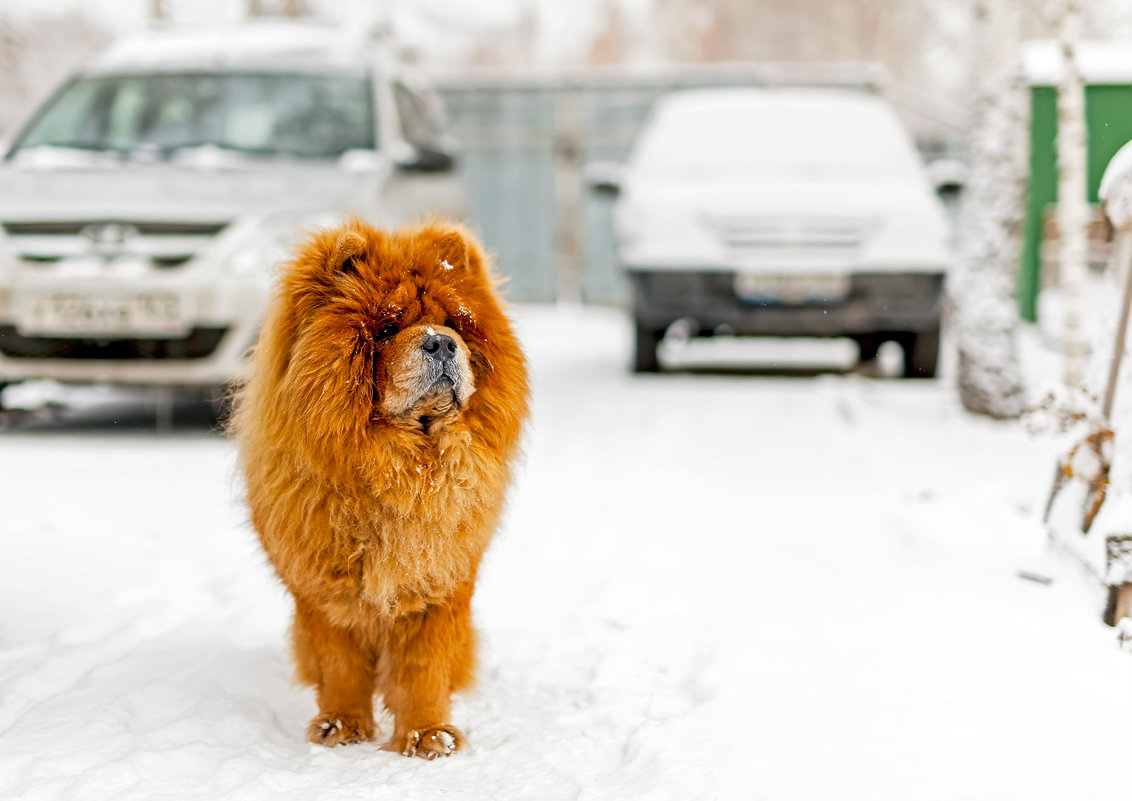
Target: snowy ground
x,y
709,586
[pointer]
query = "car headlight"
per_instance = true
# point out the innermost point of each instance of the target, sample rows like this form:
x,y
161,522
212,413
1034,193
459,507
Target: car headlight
x,y
8,255
261,245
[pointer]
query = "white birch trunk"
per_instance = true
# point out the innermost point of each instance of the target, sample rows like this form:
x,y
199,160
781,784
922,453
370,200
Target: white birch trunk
x,y
1072,208
986,316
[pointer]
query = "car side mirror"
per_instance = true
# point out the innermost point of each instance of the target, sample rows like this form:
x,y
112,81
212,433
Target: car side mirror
x,y
422,158
948,177
604,178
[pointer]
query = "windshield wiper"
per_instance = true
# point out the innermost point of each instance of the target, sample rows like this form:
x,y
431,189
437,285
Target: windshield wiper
x,y
170,151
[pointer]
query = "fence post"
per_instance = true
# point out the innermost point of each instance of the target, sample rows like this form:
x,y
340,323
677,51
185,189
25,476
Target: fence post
x,y
567,193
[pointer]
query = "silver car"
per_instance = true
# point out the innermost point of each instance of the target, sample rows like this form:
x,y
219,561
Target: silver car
x,y
781,212
143,206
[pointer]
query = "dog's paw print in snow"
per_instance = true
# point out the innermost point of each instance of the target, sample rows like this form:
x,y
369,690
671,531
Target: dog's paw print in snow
x,y
433,742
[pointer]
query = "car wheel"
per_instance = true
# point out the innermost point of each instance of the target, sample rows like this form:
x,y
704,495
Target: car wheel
x,y
646,340
921,353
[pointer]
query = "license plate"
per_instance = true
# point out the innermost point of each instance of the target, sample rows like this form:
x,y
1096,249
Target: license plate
x,y
68,314
791,290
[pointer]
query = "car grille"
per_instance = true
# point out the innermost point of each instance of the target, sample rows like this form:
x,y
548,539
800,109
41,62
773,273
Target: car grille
x,y
200,343
167,245
775,234
146,228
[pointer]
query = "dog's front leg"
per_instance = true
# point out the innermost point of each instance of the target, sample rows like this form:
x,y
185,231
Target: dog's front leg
x,y
341,670
428,655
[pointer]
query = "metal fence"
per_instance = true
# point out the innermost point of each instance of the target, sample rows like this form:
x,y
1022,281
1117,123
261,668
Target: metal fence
x,y
526,141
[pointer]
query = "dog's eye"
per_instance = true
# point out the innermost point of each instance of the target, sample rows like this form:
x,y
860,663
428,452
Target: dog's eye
x,y
450,323
387,331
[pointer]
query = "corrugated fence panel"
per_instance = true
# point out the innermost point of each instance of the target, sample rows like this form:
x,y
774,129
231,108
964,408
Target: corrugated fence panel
x,y
611,118
507,156
523,150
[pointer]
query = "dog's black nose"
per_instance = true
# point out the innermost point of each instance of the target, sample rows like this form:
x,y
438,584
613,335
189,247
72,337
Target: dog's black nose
x,y
440,347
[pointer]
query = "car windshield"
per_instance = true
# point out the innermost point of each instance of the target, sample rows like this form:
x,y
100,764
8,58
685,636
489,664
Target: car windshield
x,y
299,116
815,135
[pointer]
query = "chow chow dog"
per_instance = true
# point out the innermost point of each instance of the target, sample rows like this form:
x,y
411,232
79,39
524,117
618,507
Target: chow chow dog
x,y
377,434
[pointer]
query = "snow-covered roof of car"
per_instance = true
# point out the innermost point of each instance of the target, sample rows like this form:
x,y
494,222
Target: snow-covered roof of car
x,y
265,44
728,99
736,127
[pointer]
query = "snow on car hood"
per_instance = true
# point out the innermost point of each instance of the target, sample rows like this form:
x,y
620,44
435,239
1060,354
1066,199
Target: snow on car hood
x,y
681,222
168,192
866,195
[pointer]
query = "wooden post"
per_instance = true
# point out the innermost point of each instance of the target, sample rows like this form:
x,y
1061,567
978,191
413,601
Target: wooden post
x,y
1122,261
568,193
1118,558
1119,604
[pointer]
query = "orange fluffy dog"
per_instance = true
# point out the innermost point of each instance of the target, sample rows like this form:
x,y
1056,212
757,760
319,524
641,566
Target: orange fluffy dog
x,y
376,436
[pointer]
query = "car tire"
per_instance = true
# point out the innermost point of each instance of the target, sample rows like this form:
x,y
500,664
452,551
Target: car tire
x,y
645,342
921,353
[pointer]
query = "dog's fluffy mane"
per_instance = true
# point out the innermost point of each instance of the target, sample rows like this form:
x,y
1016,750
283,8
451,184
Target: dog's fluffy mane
x,y
340,491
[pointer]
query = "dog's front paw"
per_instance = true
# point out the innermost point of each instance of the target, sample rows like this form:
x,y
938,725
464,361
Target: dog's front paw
x,y
331,730
429,742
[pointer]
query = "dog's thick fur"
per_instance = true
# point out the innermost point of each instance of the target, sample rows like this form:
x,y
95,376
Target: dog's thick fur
x,y
376,472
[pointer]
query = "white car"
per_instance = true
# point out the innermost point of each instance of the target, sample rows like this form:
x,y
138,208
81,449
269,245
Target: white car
x,y
143,206
781,212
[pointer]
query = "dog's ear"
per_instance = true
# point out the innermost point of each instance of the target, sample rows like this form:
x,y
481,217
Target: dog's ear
x,y
457,251
452,249
347,247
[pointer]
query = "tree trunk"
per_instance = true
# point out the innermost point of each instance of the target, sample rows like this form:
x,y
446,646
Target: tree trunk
x,y
1072,207
986,319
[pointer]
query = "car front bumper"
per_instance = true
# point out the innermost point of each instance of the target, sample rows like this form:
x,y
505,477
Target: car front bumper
x,y
147,362
875,303
212,352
